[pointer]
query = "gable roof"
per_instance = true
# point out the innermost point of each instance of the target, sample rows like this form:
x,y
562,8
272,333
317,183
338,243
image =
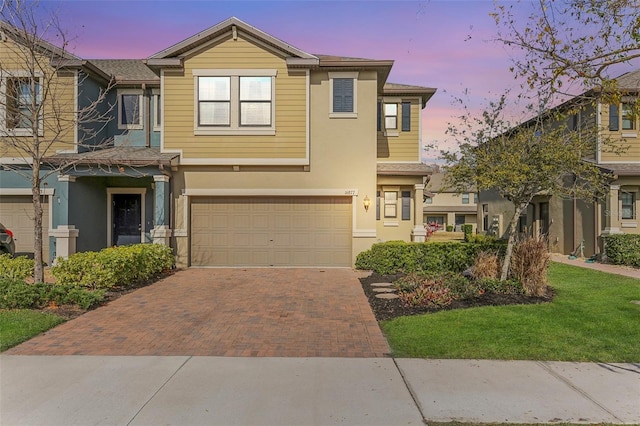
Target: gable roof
x,y
19,36
629,81
223,27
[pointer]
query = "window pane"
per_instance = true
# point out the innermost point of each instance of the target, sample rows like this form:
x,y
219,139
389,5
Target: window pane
x,y
18,102
390,109
428,200
465,198
158,111
391,122
214,114
627,199
255,88
255,113
214,88
130,105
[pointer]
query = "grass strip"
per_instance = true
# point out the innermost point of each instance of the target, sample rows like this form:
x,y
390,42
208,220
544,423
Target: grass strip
x,y
19,325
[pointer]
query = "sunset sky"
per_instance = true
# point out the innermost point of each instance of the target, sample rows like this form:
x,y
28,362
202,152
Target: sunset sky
x,y
443,44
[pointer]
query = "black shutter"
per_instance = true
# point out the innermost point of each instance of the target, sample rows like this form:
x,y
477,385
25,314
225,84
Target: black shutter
x,y
379,116
406,116
378,205
342,95
613,118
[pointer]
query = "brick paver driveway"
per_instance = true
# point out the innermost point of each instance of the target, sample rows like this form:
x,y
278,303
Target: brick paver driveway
x,y
227,312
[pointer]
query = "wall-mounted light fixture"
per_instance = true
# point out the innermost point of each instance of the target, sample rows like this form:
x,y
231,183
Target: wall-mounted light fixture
x,y
367,203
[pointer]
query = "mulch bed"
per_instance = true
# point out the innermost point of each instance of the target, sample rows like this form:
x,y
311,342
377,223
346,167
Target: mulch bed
x,y
386,309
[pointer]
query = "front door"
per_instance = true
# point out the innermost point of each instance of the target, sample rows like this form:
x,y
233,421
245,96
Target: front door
x,y
127,219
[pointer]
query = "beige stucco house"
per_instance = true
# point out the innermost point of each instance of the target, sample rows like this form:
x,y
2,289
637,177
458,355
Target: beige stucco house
x,y
445,207
575,224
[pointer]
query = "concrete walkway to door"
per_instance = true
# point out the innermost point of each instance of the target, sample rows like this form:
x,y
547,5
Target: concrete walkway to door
x,y
227,312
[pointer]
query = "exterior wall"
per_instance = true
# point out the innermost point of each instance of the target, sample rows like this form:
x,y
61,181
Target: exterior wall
x,y
395,228
61,95
290,103
342,164
629,139
93,133
406,145
449,205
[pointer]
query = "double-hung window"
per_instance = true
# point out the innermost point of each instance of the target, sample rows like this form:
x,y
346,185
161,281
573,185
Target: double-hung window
x,y
628,117
130,109
21,103
214,101
391,204
465,198
231,102
343,88
391,116
627,199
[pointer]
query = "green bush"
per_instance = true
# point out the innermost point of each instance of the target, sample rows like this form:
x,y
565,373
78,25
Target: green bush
x,y
431,257
17,268
113,266
481,239
449,228
468,232
623,249
15,294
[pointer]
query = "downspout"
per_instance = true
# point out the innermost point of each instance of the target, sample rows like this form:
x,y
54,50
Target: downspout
x,y
147,116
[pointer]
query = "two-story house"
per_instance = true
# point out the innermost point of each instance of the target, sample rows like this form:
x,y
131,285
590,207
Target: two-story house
x,y
238,149
575,225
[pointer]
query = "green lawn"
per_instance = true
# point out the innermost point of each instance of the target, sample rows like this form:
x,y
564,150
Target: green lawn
x,y
17,326
591,319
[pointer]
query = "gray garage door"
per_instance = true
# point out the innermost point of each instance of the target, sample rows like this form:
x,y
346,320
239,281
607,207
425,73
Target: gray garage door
x,y
271,231
16,213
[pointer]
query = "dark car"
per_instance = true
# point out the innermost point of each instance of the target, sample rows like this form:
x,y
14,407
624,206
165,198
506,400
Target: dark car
x,y
7,245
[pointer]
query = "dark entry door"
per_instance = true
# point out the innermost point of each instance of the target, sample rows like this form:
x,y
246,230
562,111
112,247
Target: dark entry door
x,y
127,219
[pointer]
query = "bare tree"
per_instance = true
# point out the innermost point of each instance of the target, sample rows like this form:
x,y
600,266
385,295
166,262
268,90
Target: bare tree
x,y
39,111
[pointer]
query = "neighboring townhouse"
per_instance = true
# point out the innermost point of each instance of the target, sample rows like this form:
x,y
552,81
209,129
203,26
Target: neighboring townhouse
x,y
577,225
446,207
238,149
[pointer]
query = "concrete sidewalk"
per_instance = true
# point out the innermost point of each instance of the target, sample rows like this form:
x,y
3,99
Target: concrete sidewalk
x,y
597,266
92,390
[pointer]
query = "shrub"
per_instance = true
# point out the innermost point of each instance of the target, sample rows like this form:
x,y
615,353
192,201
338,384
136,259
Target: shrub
x,y
17,268
623,249
468,232
529,264
433,292
16,294
431,257
113,266
482,239
486,265
494,285
449,228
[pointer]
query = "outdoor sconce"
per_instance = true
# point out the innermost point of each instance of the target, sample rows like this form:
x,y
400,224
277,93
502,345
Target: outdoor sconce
x,y
367,203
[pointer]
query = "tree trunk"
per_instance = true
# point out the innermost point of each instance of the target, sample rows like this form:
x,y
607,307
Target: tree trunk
x,y
513,232
38,271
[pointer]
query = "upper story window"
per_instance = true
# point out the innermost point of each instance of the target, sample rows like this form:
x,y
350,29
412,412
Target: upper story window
x,y
391,116
232,102
129,109
390,111
343,88
623,117
465,198
428,200
21,101
475,198
628,117
406,205
627,199
157,111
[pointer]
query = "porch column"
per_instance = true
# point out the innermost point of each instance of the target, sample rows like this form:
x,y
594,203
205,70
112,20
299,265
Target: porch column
x,y
64,233
419,234
161,233
612,211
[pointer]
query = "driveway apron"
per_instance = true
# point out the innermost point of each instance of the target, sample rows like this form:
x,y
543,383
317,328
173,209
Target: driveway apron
x,y
227,312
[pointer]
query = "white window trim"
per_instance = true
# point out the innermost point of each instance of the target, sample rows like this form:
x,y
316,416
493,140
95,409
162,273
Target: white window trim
x,y
391,100
3,117
139,125
156,100
234,128
353,75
